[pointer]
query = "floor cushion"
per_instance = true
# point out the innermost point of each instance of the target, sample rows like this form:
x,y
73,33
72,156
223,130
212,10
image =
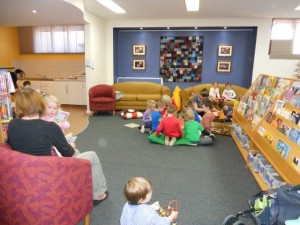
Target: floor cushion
x,y
131,114
161,140
221,128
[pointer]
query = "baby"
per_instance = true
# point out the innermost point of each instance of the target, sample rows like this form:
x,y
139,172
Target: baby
x,y
137,211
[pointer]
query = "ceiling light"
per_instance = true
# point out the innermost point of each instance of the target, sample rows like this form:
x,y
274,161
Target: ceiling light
x,y
112,6
192,5
34,11
141,28
297,8
168,28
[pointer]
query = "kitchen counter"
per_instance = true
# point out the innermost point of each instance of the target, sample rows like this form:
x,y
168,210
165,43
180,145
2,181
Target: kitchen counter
x,y
50,79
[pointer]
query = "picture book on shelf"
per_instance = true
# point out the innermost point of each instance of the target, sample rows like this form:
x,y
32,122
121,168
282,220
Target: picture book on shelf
x,y
284,129
295,117
294,135
296,163
269,137
283,148
5,108
61,116
278,104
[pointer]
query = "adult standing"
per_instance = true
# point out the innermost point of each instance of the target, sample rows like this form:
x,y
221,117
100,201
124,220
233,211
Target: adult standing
x,y
15,76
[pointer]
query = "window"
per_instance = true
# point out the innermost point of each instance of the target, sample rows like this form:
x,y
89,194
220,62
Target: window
x,y
52,39
284,36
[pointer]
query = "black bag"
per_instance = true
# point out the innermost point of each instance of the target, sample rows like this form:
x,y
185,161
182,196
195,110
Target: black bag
x,y
275,206
289,204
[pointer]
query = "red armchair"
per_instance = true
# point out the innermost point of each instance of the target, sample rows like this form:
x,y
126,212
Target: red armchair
x,y
102,97
44,189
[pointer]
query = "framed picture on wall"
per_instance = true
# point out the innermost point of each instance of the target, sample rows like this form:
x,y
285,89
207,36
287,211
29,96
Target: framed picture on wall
x,y
225,50
139,49
224,66
139,64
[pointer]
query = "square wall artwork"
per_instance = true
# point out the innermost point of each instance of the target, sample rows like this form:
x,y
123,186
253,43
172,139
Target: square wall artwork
x,y
181,58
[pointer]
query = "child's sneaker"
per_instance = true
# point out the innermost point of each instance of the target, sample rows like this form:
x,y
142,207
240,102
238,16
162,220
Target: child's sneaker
x,y
143,129
147,130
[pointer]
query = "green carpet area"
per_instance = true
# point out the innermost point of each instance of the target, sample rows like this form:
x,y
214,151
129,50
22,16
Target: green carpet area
x,y
209,182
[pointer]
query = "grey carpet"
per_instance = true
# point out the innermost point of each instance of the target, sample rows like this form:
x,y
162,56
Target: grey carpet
x,y
209,182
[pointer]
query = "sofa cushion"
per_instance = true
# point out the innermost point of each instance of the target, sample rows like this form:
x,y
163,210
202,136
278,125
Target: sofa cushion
x,y
129,97
145,97
176,97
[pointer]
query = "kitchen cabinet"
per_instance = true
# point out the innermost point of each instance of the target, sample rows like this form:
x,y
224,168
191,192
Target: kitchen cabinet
x,y
70,92
47,87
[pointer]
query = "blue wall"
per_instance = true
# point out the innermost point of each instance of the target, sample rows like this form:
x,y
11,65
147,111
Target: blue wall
x,y
243,41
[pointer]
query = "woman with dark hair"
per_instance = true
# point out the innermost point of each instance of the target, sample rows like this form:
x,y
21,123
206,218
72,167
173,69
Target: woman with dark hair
x,y
15,76
29,134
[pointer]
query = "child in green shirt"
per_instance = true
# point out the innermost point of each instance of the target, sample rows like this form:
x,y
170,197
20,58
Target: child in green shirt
x,y
193,131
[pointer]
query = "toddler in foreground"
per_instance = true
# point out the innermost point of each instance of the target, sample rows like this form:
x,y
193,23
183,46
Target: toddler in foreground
x,y
137,211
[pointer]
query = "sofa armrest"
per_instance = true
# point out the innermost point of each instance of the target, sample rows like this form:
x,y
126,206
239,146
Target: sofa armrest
x,y
185,94
165,91
56,189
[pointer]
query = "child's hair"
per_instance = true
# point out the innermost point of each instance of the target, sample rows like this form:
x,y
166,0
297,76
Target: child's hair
x,y
208,103
188,104
204,92
159,104
151,103
51,98
227,84
189,115
215,82
26,83
136,189
171,109
166,99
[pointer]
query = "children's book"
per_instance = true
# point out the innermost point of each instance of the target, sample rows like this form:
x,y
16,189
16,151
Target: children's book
x,y
61,117
294,135
283,148
269,137
278,104
296,163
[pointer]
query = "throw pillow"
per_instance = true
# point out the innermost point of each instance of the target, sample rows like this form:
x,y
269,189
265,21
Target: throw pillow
x,y
176,97
131,114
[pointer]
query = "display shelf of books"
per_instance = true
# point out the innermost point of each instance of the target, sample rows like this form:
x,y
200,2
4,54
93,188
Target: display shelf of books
x,y
5,104
269,114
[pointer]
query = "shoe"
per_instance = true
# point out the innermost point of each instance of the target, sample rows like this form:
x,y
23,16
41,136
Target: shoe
x,y
97,202
143,129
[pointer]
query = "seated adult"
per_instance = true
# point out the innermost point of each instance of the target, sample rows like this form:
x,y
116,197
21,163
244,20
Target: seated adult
x,y
31,135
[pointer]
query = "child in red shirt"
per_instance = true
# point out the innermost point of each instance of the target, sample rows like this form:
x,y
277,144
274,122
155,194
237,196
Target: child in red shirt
x,y
171,127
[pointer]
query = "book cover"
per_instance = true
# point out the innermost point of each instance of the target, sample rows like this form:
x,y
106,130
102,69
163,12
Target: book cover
x,y
61,116
294,135
261,131
296,163
295,117
284,129
269,137
283,148
278,104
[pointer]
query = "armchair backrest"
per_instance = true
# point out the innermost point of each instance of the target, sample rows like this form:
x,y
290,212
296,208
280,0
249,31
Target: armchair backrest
x,y
43,189
102,90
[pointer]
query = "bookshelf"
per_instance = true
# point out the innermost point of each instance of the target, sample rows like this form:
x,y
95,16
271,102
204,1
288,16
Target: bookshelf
x,y
6,86
269,115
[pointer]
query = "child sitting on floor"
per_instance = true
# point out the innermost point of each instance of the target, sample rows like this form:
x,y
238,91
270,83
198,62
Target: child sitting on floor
x,y
170,126
137,211
167,100
208,117
156,115
147,117
188,105
194,130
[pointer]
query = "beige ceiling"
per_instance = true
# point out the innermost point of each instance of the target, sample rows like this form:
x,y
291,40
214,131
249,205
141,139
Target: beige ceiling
x,y
18,12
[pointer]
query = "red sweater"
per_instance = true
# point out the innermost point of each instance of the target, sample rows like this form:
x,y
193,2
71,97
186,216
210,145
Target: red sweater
x,y
170,126
207,120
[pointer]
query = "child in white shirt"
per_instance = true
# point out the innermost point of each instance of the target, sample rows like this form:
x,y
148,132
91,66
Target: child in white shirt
x,y
228,93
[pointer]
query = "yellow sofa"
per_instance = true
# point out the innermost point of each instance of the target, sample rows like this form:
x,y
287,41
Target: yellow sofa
x,y
186,94
136,94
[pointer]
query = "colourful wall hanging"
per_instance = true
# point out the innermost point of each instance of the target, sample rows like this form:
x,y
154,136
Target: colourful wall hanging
x,y
181,58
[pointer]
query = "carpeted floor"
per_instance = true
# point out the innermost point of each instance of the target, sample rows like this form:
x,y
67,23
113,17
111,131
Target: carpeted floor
x,y
209,182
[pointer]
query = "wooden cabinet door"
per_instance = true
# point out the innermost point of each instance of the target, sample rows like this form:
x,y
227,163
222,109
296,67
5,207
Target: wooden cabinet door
x,y
75,93
60,91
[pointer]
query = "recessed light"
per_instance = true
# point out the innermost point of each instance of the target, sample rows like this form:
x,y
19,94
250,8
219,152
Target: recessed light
x,y
141,28
196,28
297,8
112,6
225,28
34,11
192,5
168,28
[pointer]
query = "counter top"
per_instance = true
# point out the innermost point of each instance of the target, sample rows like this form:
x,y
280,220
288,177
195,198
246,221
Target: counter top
x,y
50,79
